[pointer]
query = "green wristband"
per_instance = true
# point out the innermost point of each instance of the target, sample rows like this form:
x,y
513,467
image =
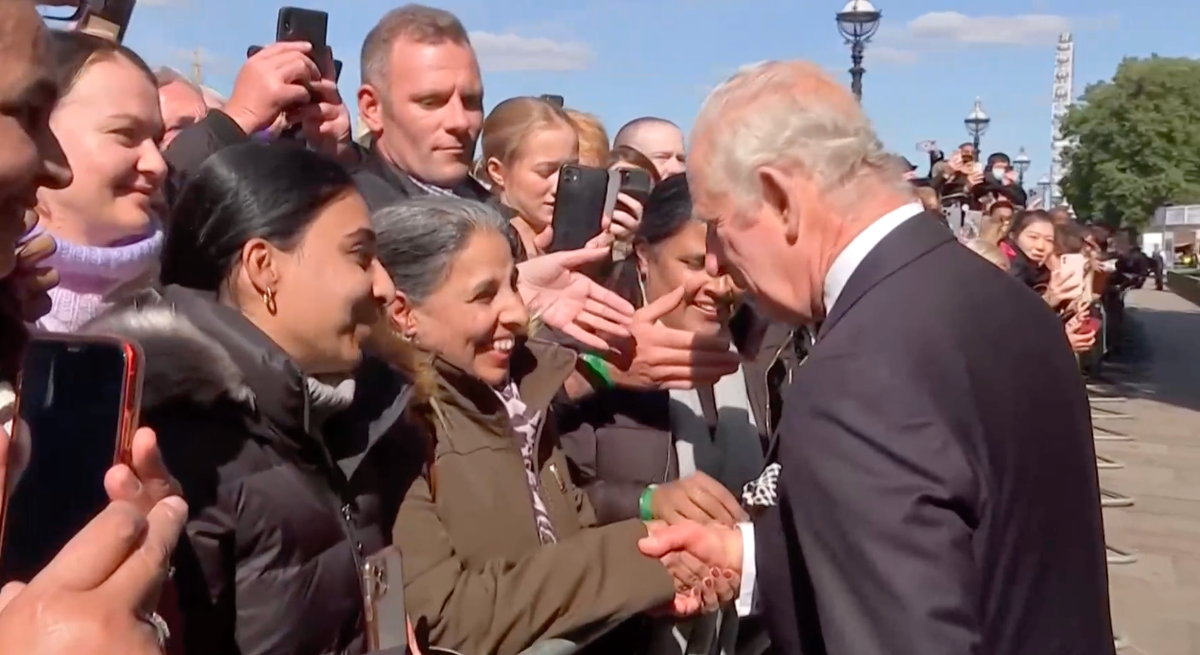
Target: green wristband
x,y
599,367
645,503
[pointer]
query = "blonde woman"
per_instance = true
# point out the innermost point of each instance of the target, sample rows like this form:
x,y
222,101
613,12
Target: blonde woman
x,y
526,142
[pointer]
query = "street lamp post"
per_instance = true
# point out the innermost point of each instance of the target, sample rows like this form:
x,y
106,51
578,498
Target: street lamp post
x,y
977,123
1044,185
858,21
1021,164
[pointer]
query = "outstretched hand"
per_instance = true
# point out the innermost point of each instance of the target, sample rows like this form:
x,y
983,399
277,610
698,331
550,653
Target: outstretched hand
x,y
570,302
705,561
660,357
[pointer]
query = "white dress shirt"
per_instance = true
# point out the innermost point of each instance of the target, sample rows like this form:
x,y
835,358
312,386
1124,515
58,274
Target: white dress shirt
x,y
839,274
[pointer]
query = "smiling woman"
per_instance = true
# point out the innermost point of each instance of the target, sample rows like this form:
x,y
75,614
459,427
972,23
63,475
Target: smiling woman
x,y
109,126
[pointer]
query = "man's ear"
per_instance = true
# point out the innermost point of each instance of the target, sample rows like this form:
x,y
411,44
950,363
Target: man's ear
x,y
778,194
370,107
402,314
260,264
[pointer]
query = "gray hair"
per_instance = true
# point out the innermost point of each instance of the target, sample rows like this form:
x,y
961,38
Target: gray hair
x,y
774,113
413,22
418,239
165,75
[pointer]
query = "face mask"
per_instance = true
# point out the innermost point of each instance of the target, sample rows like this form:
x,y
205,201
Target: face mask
x,y
999,173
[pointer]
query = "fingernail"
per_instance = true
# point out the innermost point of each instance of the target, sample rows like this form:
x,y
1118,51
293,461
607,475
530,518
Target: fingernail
x,y
130,484
708,582
175,504
728,573
715,572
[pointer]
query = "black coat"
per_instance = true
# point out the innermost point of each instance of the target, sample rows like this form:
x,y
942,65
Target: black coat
x,y
381,183
278,522
938,492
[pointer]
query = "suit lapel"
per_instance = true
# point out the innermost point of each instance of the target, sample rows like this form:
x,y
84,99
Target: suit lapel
x,y
910,241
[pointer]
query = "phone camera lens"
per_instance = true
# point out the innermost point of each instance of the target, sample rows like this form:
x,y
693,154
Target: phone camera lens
x,y
572,175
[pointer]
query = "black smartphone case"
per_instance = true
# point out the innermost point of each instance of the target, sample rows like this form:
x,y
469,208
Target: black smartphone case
x,y
578,206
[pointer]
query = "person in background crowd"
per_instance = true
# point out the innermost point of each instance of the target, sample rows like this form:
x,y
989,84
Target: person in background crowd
x,y
990,251
999,182
955,177
422,100
104,222
181,102
997,221
657,138
270,287
500,548
1159,266
1031,242
924,492
593,139
526,141
930,200
624,157
1061,215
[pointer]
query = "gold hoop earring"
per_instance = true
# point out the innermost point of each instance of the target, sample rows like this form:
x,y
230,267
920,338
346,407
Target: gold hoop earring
x,y
642,286
269,300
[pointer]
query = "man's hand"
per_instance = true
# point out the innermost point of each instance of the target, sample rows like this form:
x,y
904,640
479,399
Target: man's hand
x,y
570,302
93,597
277,78
659,357
697,498
974,179
325,122
706,562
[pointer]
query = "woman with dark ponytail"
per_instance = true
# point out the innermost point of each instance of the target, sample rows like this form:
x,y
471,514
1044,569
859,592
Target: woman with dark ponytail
x,y
270,287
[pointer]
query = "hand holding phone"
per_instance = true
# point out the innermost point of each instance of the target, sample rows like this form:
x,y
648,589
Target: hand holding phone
x,y
585,195
80,396
108,19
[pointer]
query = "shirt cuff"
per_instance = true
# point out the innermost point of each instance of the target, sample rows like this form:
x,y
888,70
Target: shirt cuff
x,y
745,599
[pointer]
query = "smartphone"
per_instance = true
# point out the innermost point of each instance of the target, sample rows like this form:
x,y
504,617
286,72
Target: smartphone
x,y
296,24
337,69
585,194
1073,265
636,183
79,396
557,101
108,19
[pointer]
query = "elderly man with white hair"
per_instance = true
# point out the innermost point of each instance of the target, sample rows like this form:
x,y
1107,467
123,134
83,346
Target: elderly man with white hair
x,y
931,489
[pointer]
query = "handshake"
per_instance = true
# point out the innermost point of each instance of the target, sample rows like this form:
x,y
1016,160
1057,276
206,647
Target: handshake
x,y
704,560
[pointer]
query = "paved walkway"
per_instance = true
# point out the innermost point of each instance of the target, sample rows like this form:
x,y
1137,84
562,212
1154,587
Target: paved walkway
x,y
1156,600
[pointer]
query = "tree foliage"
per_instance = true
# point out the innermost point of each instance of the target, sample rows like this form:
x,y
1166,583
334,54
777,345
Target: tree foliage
x,y
1135,142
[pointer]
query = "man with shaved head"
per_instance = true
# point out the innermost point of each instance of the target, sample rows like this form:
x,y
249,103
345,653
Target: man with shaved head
x,y
931,488
657,138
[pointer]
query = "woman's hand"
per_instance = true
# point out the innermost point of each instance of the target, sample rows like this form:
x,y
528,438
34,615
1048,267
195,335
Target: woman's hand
x,y
1081,334
626,218
95,597
697,498
1062,287
32,279
570,302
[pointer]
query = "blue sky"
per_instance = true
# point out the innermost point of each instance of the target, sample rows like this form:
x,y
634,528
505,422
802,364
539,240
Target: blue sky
x,y
625,58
